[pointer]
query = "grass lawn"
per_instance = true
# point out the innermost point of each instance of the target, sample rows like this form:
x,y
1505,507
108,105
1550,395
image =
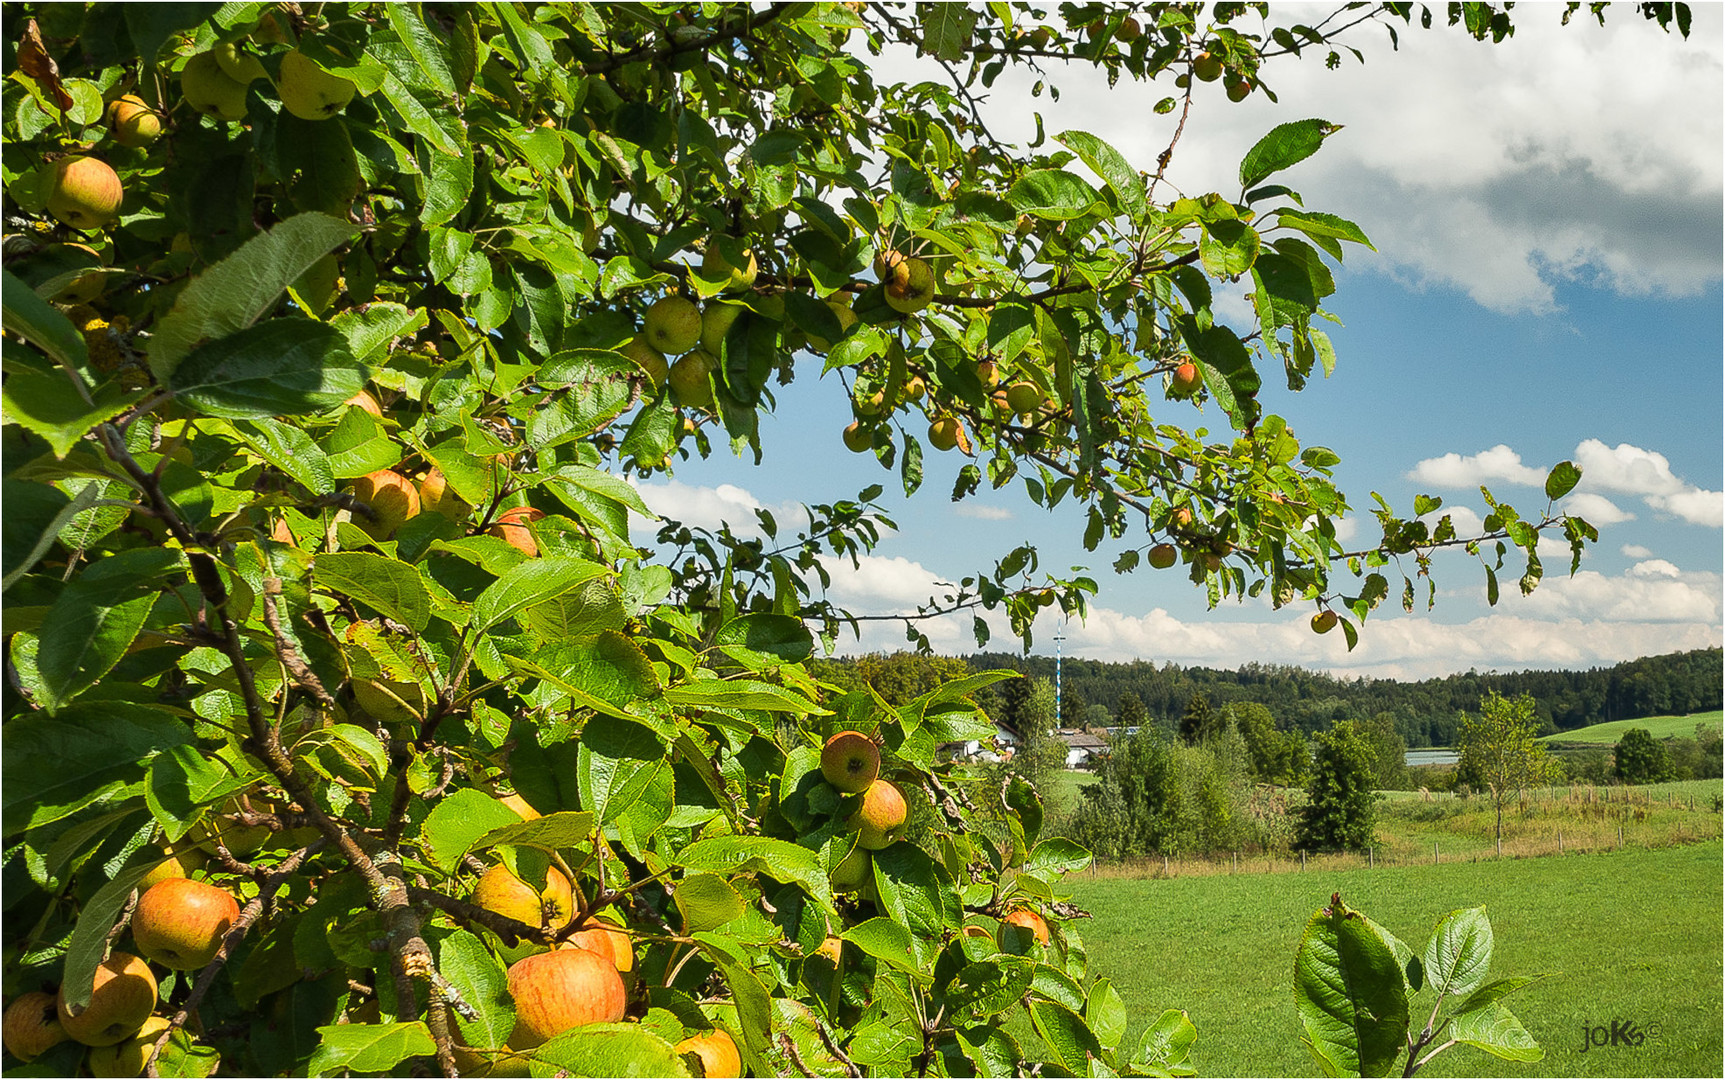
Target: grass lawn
x,y
1660,726
1633,935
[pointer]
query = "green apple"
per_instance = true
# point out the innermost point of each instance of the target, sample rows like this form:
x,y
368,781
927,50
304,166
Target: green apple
x,y
207,88
310,92
133,122
672,325
916,291
239,66
716,322
853,871
128,1058
858,439
847,319
715,267
688,379
879,821
649,359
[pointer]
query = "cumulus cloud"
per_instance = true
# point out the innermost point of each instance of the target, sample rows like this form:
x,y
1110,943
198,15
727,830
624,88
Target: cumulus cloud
x,y
1596,510
1455,471
1554,156
1631,470
1651,592
983,513
709,507
1636,551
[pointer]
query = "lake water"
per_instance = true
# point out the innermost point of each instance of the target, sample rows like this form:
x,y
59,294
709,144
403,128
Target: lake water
x,y
1438,756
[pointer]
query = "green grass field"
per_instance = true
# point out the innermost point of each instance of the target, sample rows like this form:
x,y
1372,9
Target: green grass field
x,y
1634,935
1608,734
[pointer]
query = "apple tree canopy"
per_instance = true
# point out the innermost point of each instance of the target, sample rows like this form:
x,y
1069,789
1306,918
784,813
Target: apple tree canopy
x,y
328,362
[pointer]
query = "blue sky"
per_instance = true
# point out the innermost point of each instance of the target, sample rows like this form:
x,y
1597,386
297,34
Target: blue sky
x,y
1547,286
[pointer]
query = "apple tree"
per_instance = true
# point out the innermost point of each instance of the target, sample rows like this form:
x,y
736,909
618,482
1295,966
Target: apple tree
x,y
346,727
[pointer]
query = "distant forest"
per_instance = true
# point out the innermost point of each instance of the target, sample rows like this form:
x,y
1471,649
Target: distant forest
x,y
1427,712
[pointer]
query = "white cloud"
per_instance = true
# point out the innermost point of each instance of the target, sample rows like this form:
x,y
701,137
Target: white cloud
x,y
1633,471
1455,471
1596,510
1648,593
709,507
1556,155
1654,568
1636,551
983,513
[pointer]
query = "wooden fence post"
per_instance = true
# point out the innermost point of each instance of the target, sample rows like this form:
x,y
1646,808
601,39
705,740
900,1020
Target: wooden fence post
x,y
1236,868
1302,860
1434,853
1560,840
1620,836
1371,857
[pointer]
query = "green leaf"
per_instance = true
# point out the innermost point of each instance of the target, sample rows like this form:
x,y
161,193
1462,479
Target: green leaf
x,y
285,366
1459,952
1494,991
1053,194
1165,1044
1228,248
1564,476
35,515
318,158
741,694
1495,1030
40,323
393,588
89,944
1115,171
532,582
947,30
611,1050
370,330
989,986
754,1004
1066,1034
49,403
617,762
1056,856
426,48
707,902
291,450
1323,226
889,942
1105,1012
472,969
459,821
777,859
762,639
183,781
52,766
554,832
1285,145
240,289
96,618
369,1047
1350,995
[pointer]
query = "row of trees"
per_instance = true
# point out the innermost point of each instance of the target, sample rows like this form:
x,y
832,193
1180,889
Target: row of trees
x,y
1426,712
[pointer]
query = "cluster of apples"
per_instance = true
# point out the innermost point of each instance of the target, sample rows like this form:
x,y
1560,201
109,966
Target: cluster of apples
x,y
1211,64
677,326
580,981
850,762
215,83
179,923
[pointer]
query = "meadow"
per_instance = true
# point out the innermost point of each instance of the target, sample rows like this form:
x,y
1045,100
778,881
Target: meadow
x,y
1627,936
1609,733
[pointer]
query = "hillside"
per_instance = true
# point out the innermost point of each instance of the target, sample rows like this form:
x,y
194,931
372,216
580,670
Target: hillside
x,y
1661,727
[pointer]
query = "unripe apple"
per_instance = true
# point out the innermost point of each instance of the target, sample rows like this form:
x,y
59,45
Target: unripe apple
x,y
715,267
122,997
688,379
1162,556
869,404
1185,380
1128,30
847,319
86,193
1029,920
943,432
1023,398
501,892
310,92
1324,621
207,88
180,923
1180,519
562,989
1207,66
392,498
512,527
1212,562
437,497
239,66
1238,89
879,821
717,1052
850,761
988,373
649,359
59,260
31,1025
716,323
914,389
858,439
128,1058
133,122
917,290
672,325
853,871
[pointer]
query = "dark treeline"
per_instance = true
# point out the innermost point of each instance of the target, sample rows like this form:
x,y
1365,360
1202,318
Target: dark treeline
x,y
1426,713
